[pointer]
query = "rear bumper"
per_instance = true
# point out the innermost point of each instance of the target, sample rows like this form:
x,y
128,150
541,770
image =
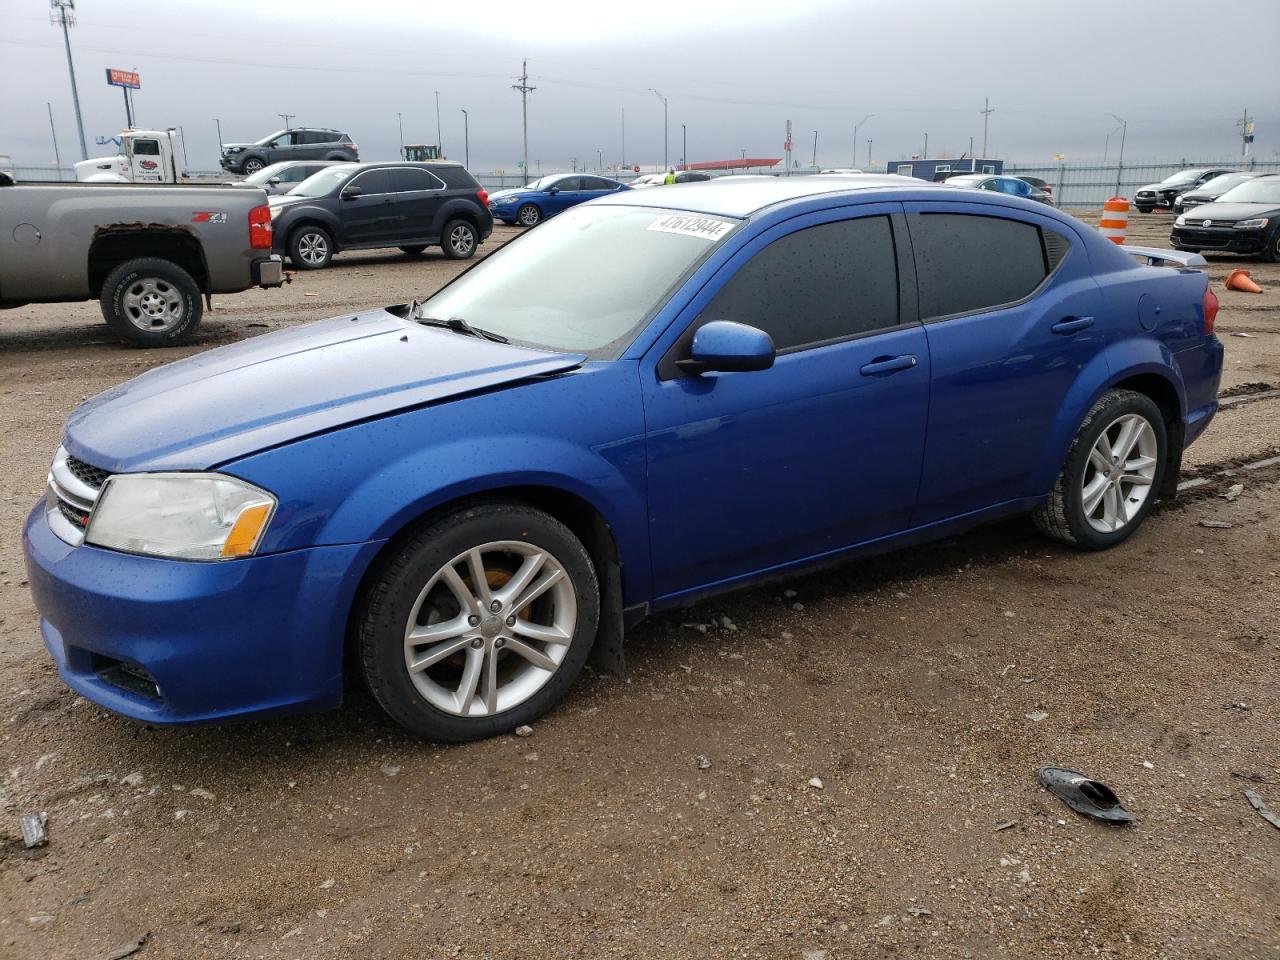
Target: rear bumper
x,y
1228,239
170,642
269,272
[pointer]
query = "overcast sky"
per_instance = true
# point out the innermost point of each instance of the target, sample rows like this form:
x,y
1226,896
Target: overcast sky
x,y
1179,71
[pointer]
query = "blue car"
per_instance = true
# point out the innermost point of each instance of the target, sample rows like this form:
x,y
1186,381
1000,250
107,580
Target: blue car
x,y
461,499
529,206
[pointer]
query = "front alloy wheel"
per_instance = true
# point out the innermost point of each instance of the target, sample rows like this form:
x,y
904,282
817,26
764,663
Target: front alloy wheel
x,y
480,622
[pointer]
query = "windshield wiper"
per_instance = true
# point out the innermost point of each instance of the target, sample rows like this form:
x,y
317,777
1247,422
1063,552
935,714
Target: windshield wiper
x,y
456,324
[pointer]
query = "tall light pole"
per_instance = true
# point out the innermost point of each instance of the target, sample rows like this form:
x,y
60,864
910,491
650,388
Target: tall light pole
x,y
400,122
684,146
466,140
525,90
219,123
57,159
439,137
624,137
63,15
1124,130
869,142
814,161
854,161
599,159
987,111
1106,144
665,165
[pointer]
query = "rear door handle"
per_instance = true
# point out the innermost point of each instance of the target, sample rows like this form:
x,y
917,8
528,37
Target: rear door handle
x,y
883,365
1072,324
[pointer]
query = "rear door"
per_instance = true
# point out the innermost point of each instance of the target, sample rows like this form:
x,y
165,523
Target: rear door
x,y
1009,307
593,187
418,197
371,217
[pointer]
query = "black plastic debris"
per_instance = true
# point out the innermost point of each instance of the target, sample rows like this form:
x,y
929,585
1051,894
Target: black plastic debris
x,y
1092,798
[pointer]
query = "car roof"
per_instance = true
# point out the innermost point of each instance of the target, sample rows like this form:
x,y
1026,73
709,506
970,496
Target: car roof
x,y
734,197
422,164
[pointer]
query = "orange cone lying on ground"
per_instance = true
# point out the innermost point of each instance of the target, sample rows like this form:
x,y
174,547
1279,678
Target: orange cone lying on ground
x,y
1240,280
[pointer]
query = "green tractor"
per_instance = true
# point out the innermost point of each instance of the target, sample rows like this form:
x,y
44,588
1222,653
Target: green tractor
x,y
418,152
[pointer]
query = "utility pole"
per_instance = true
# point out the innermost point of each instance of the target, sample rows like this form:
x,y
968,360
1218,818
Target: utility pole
x,y
973,164
63,15
664,127
986,113
854,162
869,142
400,122
684,146
599,160
466,140
1124,130
219,123
1246,133
57,159
624,138
286,117
525,90
439,137
814,161
925,155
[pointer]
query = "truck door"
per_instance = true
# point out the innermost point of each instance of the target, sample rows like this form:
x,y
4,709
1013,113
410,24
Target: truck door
x,y
145,160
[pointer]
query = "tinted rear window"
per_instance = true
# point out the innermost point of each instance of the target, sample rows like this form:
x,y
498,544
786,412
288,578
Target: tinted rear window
x,y
966,262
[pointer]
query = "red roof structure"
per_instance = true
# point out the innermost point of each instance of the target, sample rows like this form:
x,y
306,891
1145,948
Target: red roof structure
x,y
736,164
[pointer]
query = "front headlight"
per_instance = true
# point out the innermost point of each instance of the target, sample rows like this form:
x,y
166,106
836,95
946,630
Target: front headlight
x,y
187,516
1180,222
1255,224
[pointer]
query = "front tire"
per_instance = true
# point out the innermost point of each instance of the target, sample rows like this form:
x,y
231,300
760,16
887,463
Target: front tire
x,y
1145,209
1271,252
529,215
252,166
479,623
1109,482
460,240
149,302
311,248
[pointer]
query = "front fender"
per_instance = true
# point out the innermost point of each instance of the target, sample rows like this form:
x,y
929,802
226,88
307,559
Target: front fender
x,y
1119,361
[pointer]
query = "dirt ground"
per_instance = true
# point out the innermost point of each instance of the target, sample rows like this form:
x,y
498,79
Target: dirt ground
x,y
922,689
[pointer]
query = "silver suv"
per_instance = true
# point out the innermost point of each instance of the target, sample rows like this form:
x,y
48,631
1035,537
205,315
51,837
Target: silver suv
x,y
297,143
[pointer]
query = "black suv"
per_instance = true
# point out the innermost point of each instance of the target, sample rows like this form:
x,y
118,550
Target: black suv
x,y
359,206
299,143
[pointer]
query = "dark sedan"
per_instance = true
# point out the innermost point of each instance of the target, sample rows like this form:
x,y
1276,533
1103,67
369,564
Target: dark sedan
x,y
1162,194
1245,219
360,206
1210,191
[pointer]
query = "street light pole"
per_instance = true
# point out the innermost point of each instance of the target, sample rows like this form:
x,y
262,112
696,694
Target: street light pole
x,y
219,123
814,162
665,161
57,159
400,123
869,142
63,17
854,161
1124,130
466,140
684,146
439,138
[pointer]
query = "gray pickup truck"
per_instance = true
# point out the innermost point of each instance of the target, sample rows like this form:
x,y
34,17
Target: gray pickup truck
x,y
150,254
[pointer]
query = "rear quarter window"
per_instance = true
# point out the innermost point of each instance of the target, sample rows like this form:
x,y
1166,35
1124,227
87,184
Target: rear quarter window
x,y
456,177
969,262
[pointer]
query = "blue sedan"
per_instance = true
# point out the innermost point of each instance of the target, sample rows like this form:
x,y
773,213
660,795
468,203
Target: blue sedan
x,y
530,205
463,498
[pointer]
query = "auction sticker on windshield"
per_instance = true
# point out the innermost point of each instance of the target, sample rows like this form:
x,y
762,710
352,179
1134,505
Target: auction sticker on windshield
x,y
709,228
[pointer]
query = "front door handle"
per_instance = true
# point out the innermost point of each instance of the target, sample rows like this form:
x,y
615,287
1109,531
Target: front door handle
x,y
1071,324
883,365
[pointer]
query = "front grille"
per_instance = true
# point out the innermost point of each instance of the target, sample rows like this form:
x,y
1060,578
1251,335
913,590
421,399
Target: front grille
x,y
74,515
1203,238
92,476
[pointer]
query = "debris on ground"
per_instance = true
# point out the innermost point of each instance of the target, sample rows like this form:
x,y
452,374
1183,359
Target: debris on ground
x,y
127,949
700,627
1092,798
1236,706
1005,826
1249,335
1216,524
524,730
704,763
919,911
1263,810
1035,716
815,782
34,832
1233,491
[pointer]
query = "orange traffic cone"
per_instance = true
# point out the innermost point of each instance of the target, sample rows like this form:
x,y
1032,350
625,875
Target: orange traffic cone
x,y
1239,280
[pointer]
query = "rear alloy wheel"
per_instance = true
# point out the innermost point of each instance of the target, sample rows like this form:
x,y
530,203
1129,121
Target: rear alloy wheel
x,y
150,302
310,248
529,215
480,623
1110,479
460,240
1271,252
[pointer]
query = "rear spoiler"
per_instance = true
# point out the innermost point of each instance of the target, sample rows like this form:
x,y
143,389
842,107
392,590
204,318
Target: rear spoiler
x,y
1160,257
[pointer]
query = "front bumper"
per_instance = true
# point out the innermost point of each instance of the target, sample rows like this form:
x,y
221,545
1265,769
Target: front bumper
x,y
269,272
1225,239
166,641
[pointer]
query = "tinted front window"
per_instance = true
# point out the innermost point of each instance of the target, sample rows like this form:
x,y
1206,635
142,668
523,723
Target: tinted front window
x,y
568,183
821,283
966,262
374,181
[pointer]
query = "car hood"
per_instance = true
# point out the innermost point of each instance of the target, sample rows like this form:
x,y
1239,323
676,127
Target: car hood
x,y
1231,212
280,387
228,146
510,194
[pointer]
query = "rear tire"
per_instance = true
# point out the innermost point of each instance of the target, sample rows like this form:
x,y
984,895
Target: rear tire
x,y
1271,252
1090,508
311,248
149,302
521,656
460,240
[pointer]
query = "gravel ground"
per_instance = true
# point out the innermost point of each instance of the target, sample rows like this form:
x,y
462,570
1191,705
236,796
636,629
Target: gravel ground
x,y
921,689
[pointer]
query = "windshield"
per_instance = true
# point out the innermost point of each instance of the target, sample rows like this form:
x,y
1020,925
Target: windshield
x,y
966,181
1253,191
543,183
1183,176
584,282
325,182
1223,183
265,140
265,174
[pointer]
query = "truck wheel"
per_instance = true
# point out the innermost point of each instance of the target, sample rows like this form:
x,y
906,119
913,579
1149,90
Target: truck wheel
x,y
149,302
459,240
252,166
310,248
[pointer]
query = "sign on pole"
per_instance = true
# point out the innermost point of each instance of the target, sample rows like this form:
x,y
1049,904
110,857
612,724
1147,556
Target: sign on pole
x,y
124,78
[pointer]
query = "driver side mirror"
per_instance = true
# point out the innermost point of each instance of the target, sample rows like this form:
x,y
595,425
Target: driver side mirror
x,y
274,181
350,193
553,190
727,347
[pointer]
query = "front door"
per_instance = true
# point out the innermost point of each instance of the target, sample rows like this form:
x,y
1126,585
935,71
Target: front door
x,y
1009,306
370,217
751,471
565,196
